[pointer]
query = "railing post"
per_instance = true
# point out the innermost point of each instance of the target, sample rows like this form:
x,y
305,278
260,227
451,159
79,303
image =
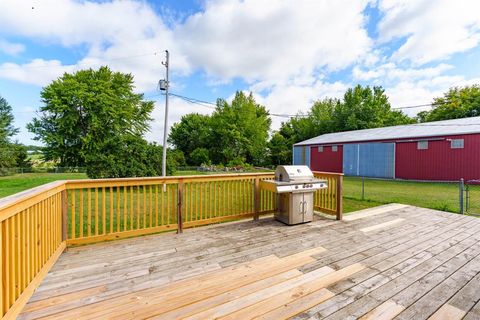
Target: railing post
x,y
2,258
64,215
256,197
339,195
179,207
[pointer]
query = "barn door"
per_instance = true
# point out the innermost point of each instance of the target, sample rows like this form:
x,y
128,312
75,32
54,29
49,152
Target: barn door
x,y
376,160
301,155
350,159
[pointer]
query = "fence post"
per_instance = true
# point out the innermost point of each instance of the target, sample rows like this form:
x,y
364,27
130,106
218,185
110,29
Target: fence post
x,y
179,207
363,188
256,197
64,215
461,190
339,195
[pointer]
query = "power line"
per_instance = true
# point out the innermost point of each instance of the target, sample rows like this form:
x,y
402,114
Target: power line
x,y
212,105
415,106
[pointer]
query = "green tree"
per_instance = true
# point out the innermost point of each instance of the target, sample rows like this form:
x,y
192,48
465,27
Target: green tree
x,y
7,131
20,155
279,150
129,156
86,113
457,102
239,131
199,156
191,133
360,108
364,108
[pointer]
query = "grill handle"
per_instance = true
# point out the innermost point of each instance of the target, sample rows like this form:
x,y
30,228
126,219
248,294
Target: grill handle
x,y
302,205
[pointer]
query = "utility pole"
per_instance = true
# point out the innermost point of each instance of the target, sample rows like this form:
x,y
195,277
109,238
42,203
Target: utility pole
x,y
164,85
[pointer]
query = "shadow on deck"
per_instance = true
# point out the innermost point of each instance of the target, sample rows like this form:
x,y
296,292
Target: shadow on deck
x,y
389,261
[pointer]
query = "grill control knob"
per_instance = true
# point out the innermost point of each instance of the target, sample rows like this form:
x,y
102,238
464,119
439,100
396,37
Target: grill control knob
x,y
296,187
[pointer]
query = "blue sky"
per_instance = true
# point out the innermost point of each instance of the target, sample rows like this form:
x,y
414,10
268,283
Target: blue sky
x,y
288,53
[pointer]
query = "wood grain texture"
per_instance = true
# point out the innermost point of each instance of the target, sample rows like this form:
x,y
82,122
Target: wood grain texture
x,y
264,269
387,310
448,312
382,225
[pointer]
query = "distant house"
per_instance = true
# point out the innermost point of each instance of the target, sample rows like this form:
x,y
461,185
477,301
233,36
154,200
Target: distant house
x,y
442,150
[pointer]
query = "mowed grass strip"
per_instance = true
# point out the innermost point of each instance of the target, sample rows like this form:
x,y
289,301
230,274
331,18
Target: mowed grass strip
x,y
19,182
434,195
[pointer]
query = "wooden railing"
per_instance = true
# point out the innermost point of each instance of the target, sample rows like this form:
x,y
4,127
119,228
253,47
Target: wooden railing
x,y
109,209
38,224
31,240
330,200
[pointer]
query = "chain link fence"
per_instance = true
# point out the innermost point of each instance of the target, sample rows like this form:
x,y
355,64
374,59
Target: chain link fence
x,y
445,196
12,171
472,197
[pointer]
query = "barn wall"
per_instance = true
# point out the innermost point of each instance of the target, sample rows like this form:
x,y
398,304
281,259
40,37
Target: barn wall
x,y
439,161
327,160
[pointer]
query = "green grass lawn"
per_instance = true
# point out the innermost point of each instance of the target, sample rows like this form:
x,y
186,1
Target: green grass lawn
x,y
20,182
439,196
351,205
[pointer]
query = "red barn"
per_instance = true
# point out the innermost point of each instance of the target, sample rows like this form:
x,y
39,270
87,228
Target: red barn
x,y
443,150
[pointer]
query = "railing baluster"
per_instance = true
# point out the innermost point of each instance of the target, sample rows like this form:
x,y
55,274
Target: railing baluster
x,y
117,209
13,266
150,209
125,208
7,271
96,212
80,213
162,206
156,205
168,206
144,189
73,213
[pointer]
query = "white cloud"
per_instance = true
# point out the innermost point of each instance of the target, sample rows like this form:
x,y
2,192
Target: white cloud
x,y
118,33
434,30
388,72
258,41
11,48
289,99
38,71
176,109
415,92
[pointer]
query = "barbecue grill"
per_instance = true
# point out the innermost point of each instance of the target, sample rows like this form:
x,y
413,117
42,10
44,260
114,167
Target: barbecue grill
x,y
295,186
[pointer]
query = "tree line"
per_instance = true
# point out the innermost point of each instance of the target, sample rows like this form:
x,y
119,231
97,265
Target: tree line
x,y
246,137
94,119
12,153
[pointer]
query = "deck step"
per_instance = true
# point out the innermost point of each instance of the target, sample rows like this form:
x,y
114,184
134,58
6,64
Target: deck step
x,y
374,211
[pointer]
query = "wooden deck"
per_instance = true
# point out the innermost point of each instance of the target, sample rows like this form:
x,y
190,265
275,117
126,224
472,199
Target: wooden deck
x,y
391,261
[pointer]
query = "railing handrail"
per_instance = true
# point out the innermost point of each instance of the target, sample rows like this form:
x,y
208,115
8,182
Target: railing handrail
x,y
14,203
333,174
87,183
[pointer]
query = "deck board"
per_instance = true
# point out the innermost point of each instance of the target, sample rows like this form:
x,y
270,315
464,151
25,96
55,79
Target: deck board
x,y
392,261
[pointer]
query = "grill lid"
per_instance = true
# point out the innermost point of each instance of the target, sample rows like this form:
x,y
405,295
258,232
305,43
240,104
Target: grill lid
x,y
293,173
